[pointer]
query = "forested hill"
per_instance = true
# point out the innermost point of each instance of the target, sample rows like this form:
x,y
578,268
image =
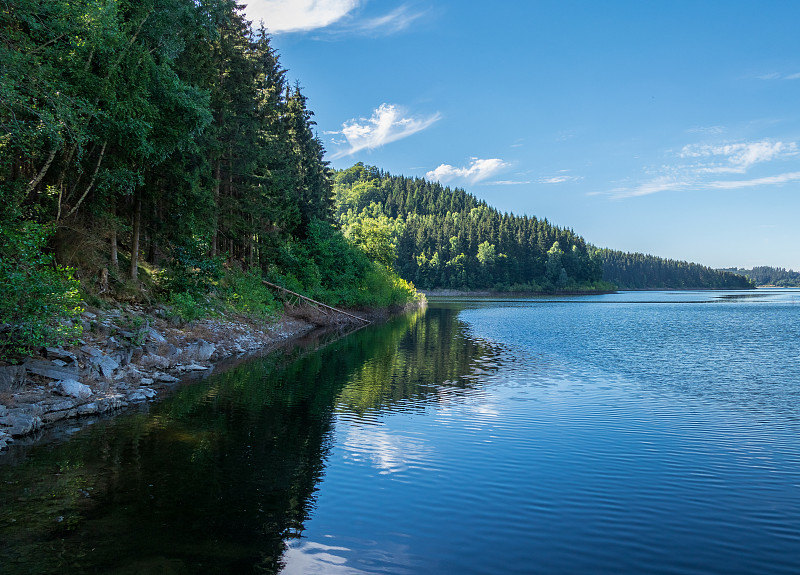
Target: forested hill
x,y
447,238
769,276
639,271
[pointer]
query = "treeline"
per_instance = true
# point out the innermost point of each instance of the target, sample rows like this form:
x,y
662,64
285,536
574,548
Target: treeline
x,y
146,135
769,276
440,237
634,271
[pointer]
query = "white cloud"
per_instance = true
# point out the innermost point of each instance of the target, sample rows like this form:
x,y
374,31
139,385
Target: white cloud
x,y
387,124
768,180
508,182
707,161
477,171
739,157
395,21
298,15
560,179
779,76
661,184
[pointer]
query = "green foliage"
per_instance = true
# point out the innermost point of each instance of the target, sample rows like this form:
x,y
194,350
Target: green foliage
x,y
641,271
189,307
190,270
39,302
769,276
327,267
446,238
245,293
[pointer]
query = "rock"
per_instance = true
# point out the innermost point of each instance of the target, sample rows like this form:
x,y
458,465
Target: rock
x,y
53,416
152,360
59,353
12,377
146,381
73,388
105,365
123,356
92,351
3,411
165,378
88,315
88,408
20,424
193,367
63,405
137,396
112,401
198,351
50,370
155,336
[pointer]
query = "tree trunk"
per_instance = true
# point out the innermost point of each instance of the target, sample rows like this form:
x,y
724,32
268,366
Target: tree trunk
x,y
114,258
215,236
137,224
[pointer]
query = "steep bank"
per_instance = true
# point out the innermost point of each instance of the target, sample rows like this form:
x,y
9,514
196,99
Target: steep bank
x,y
129,355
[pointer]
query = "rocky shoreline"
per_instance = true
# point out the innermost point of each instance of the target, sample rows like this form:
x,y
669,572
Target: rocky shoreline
x,y
126,356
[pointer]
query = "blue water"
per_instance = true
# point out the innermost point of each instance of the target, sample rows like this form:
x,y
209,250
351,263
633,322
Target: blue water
x,y
639,432
629,433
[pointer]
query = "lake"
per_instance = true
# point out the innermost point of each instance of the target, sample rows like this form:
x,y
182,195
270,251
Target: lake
x,y
638,432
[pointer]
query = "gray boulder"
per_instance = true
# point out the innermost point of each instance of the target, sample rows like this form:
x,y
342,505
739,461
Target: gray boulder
x,y
105,365
20,424
50,370
73,388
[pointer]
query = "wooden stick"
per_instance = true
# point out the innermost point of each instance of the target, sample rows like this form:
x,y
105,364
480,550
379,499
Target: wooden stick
x,y
366,321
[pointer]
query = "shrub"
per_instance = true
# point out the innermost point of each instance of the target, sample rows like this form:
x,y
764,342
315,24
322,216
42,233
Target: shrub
x,y
39,301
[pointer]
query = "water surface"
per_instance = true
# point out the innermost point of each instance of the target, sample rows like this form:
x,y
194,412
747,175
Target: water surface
x,y
641,432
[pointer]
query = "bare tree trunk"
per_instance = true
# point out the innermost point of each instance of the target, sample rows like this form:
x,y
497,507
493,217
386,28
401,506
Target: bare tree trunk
x,y
215,236
137,224
114,258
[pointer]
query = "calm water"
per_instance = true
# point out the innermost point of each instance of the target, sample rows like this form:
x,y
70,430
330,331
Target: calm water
x,y
654,432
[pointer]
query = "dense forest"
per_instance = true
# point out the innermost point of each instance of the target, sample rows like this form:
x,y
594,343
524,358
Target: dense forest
x,y
440,237
156,149
640,271
769,276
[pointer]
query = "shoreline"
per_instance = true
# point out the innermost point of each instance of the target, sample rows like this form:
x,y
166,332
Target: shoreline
x,y
129,356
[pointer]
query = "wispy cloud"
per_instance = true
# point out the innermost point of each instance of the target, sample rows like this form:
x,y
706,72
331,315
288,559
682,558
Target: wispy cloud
x,y
388,123
298,15
707,130
740,157
765,181
706,161
779,76
395,21
477,171
508,182
561,178
660,184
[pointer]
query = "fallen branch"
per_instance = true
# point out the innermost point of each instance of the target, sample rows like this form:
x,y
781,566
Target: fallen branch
x,y
297,295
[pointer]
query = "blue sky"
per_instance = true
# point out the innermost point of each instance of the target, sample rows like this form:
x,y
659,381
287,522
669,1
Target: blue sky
x,y
664,127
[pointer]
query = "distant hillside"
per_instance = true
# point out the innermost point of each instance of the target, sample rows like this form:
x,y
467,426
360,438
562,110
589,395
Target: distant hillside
x,y
446,238
641,271
440,237
768,276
